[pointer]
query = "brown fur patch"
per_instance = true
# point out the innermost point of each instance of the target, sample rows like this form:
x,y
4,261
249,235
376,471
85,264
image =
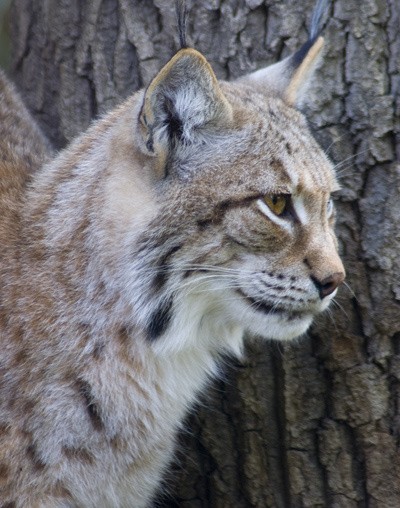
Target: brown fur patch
x,y
4,472
80,454
118,443
20,357
4,430
98,351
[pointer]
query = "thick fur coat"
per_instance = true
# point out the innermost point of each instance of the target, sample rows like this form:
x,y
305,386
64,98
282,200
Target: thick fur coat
x,y
132,261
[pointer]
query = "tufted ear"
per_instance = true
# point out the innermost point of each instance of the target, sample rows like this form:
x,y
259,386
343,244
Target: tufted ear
x,y
181,104
289,79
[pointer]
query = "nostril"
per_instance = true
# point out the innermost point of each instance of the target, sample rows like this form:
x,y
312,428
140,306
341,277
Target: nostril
x,y
328,285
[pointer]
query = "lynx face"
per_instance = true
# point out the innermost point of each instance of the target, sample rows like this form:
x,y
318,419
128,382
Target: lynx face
x,y
276,264
246,212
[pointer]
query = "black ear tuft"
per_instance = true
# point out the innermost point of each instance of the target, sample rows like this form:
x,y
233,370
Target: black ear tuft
x,y
289,79
298,57
181,15
320,9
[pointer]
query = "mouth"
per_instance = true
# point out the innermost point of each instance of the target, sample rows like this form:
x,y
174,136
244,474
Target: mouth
x,y
269,309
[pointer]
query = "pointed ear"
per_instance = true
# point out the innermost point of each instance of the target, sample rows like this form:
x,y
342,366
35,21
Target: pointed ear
x,y
290,78
181,104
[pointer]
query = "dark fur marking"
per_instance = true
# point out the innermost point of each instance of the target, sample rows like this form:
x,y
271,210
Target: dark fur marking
x,y
261,306
198,261
173,122
299,290
272,113
220,210
123,336
60,491
28,405
188,273
92,408
162,276
148,243
118,444
19,334
20,357
149,143
10,504
299,56
4,472
160,320
37,462
149,128
238,242
4,429
80,454
98,350
278,166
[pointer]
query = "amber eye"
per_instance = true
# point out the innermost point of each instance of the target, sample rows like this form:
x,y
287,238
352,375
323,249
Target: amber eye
x,y
277,203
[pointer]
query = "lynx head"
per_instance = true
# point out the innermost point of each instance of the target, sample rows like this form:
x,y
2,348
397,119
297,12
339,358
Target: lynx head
x,y
240,234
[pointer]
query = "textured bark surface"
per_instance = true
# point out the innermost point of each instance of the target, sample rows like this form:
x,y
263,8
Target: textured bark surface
x,y
315,422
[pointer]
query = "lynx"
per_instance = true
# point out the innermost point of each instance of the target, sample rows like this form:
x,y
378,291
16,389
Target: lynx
x,y
194,212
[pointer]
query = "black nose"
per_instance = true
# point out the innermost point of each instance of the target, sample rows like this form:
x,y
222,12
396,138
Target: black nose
x,y
328,285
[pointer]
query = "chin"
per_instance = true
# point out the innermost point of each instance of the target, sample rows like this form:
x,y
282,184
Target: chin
x,y
278,326
281,328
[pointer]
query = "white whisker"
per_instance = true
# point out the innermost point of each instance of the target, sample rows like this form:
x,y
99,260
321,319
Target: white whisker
x,y
347,285
334,142
340,307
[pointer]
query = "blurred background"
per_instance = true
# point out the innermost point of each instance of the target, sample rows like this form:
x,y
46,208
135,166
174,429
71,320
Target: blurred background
x,y
4,33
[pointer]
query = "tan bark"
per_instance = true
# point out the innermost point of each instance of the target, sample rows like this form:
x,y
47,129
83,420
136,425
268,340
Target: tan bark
x,y
315,422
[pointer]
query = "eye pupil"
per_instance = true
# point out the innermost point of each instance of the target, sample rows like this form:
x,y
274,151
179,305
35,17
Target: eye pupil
x,y
277,203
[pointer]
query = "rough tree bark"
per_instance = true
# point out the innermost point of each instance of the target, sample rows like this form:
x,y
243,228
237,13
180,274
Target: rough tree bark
x,y
317,422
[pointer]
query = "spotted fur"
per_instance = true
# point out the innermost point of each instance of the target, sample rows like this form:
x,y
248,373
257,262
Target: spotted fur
x,y
136,258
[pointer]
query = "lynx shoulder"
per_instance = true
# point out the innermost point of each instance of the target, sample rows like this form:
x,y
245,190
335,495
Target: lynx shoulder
x,y
23,149
196,211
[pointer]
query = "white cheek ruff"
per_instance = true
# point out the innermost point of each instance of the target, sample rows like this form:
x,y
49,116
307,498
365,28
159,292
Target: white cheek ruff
x,y
270,214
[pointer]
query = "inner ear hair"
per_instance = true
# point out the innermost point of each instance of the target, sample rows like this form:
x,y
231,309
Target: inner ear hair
x,y
173,122
182,101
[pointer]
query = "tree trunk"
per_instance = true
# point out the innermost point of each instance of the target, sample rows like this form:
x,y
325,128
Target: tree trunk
x,y
306,424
